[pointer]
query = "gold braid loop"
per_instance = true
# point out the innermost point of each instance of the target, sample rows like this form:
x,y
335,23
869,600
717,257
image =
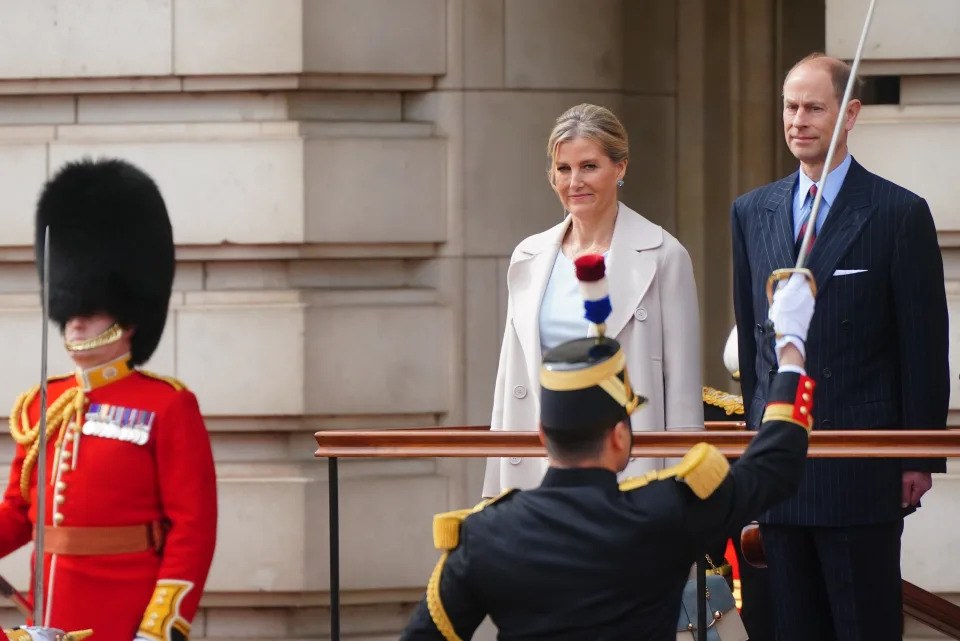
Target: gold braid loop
x,y
68,406
435,606
730,403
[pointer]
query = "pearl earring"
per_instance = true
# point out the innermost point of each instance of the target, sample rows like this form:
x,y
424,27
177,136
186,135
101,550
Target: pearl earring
x,y
620,183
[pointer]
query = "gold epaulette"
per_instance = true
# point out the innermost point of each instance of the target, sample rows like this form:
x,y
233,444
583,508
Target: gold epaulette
x,y
730,403
636,482
446,525
169,380
703,469
446,528
446,537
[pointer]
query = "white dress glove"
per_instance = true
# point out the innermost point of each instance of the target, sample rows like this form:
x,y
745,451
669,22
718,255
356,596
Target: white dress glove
x,y
790,313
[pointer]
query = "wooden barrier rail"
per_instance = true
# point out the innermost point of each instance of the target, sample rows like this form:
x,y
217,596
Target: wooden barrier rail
x,y
731,438
479,441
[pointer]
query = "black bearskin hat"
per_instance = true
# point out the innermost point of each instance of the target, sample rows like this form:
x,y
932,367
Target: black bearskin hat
x,y
111,248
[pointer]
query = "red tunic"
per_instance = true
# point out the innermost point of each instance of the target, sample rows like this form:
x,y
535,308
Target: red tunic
x,y
141,455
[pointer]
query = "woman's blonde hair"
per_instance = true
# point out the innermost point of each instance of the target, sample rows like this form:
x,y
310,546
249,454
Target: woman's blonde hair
x,y
592,122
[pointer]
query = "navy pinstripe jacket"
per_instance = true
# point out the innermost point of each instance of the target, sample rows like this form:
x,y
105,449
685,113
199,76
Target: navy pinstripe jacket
x,y
877,344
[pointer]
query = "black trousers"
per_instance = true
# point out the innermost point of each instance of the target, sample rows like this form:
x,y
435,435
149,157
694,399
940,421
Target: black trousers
x,y
836,583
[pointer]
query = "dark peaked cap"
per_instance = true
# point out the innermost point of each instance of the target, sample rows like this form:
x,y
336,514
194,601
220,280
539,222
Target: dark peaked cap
x,y
111,248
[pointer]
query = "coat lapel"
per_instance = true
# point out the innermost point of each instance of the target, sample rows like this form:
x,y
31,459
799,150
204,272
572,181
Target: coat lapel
x,y
527,279
630,270
779,243
845,220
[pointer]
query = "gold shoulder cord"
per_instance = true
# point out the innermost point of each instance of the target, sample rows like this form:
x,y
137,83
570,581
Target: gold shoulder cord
x,y
435,605
446,537
728,402
68,406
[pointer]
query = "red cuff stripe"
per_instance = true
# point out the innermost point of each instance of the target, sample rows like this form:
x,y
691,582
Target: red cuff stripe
x,y
803,403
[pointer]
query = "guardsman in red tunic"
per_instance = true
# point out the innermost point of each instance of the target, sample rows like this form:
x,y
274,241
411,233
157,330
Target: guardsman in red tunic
x,y
131,504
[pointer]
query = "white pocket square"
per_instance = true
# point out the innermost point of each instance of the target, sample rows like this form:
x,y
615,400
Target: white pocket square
x,y
847,272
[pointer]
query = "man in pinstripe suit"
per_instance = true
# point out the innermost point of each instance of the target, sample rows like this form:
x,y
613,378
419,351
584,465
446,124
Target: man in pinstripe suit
x,y
878,344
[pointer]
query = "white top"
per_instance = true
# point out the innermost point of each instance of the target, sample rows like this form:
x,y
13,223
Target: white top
x,y
561,311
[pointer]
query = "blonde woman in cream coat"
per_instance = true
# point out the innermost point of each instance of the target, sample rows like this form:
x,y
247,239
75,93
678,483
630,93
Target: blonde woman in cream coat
x,y
655,312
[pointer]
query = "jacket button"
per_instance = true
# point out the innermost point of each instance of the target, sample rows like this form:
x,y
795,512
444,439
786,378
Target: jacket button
x,y
773,371
640,314
827,373
514,460
845,325
519,391
826,424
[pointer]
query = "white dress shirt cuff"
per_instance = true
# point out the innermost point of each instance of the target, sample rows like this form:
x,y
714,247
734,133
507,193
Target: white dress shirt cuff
x,y
796,369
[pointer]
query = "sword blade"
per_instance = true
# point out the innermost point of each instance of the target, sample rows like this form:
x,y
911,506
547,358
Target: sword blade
x,y
42,437
841,121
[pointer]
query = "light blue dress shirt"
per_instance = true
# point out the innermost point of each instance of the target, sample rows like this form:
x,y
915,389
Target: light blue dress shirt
x,y
802,203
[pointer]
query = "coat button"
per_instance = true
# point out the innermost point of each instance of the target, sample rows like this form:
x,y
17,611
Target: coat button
x,y
640,314
514,460
826,424
519,391
827,373
845,325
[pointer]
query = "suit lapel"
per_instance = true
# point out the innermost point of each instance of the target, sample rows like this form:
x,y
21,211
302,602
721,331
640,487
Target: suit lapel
x,y
527,280
630,270
779,244
845,220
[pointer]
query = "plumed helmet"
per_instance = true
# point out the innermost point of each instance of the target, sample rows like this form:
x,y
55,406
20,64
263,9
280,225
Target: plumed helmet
x,y
584,387
583,382
111,248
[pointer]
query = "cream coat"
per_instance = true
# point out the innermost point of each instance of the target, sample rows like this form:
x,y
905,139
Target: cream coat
x,y
655,317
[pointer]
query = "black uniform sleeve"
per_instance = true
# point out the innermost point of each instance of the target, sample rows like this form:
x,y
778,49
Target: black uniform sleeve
x,y
459,606
768,472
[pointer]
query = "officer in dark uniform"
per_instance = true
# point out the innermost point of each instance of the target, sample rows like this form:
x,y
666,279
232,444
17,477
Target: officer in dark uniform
x,y
581,557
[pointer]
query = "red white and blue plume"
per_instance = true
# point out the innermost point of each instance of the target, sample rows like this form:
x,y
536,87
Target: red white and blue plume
x,y
591,272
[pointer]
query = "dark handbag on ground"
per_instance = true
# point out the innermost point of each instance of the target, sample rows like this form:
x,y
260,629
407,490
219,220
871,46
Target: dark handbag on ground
x,y
723,620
